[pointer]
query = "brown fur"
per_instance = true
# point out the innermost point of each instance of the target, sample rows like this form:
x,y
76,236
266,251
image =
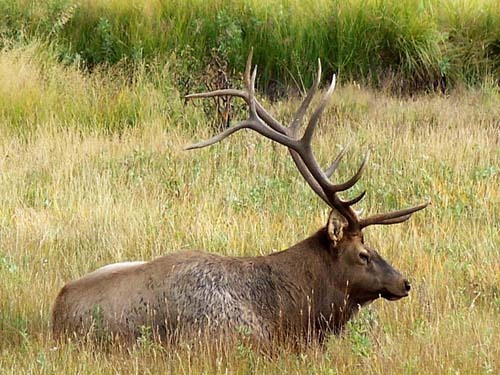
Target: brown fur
x,y
304,292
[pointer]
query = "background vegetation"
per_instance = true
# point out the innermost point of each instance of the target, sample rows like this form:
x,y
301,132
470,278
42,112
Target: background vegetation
x,y
92,172
407,43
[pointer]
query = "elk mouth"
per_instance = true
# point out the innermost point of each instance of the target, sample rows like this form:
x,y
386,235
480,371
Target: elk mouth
x,y
391,296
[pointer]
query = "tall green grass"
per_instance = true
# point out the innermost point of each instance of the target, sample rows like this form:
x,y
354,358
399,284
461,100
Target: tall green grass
x,y
409,42
35,89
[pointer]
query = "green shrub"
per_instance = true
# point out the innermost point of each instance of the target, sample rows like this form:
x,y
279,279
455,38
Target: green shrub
x,y
411,42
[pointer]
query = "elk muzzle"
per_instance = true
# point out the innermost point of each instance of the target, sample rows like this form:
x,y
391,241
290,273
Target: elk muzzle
x,y
396,289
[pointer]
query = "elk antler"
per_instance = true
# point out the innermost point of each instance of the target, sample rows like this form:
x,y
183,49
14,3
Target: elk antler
x,y
300,149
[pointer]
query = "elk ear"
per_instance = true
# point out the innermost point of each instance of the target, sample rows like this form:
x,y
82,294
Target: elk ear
x,y
335,226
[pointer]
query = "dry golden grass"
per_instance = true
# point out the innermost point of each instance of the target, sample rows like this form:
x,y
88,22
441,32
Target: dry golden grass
x,y
73,198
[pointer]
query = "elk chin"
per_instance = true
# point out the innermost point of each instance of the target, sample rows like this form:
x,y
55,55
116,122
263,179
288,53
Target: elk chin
x,y
386,294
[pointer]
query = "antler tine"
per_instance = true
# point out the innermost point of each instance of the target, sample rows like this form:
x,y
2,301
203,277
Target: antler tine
x,y
219,137
355,200
393,217
248,69
336,162
307,101
251,97
223,92
396,220
313,121
227,92
352,181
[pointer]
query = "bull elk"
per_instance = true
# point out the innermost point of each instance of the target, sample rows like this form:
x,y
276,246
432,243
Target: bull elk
x,y
308,290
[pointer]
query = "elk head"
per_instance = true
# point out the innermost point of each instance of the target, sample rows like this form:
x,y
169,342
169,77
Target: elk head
x,y
360,270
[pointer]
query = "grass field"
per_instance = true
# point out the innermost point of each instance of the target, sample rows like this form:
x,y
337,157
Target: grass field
x,y
93,172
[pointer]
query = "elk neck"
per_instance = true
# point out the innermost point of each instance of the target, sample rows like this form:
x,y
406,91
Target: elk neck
x,y
312,266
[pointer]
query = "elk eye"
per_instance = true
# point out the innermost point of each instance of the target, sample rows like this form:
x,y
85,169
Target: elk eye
x,y
364,257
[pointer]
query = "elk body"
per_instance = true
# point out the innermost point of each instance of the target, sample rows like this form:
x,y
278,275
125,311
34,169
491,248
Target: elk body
x,y
306,291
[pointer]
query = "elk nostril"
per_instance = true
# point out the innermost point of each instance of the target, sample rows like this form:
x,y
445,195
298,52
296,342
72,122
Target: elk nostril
x,y
407,285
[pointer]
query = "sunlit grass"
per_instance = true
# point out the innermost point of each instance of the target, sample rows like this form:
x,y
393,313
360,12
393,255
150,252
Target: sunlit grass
x,y
78,190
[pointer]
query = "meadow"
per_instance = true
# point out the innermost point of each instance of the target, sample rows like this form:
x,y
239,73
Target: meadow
x,y
92,168
94,172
